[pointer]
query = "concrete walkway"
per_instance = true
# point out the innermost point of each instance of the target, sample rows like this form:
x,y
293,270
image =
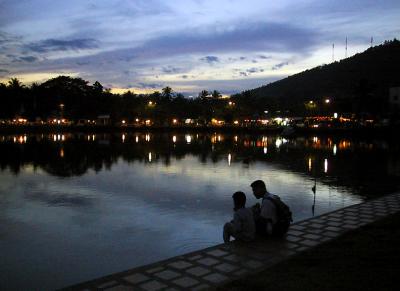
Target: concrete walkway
x,y
213,266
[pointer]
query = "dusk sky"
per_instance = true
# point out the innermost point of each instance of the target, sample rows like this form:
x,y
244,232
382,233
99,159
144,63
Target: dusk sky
x,y
189,45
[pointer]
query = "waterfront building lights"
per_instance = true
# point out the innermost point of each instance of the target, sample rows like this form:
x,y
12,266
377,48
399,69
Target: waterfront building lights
x,y
327,101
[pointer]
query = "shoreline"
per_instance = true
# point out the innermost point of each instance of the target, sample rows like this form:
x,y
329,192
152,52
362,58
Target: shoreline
x,y
384,132
223,264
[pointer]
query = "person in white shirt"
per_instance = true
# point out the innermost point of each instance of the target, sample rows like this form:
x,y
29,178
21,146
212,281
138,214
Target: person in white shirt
x,y
242,227
266,215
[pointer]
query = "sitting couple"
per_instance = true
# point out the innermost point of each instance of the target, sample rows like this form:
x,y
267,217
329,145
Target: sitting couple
x,y
262,220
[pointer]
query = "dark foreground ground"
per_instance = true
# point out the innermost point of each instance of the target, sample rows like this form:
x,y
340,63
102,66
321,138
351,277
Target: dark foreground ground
x,y
366,259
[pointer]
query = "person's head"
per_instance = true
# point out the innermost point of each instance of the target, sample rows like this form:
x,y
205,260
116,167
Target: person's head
x,y
259,188
239,200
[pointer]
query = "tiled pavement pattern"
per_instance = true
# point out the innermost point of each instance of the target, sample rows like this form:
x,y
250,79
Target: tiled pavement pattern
x,y
212,266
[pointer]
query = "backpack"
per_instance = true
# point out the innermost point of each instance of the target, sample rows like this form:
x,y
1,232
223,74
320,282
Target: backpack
x,y
284,216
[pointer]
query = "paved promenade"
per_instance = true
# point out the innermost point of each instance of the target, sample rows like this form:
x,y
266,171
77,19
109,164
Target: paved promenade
x,y
213,266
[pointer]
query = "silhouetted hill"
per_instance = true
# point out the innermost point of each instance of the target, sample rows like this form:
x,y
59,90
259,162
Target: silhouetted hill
x,y
359,83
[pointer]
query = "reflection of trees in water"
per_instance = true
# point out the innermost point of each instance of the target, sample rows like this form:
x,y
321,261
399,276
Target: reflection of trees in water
x,y
363,166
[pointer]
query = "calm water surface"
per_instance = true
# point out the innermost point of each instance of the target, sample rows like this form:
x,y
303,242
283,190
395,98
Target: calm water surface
x,y
78,206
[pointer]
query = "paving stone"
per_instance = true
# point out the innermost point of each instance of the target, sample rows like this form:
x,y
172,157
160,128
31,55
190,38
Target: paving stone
x,y
315,231
312,236
310,243
334,215
215,278
208,261
167,275
234,258
180,265
331,234
302,249
258,255
292,238
200,287
325,239
316,225
297,227
241,272
225,267
107,284
136,278
253,264
337,219
120,288
198,271
295,232
153,286
350,221
154,270
193,258
218,253
185,282
333,228
291,245
333,223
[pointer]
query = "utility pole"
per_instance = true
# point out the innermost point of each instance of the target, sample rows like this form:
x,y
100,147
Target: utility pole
x,y
345,55
333,52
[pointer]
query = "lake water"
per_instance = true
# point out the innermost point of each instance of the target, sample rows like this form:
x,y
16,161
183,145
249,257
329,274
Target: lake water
x,y
74,207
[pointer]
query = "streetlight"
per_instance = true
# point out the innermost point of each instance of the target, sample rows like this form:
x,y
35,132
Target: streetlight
x,y
327,101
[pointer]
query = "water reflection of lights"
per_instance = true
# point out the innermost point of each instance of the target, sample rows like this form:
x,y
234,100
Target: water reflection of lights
x,y
21,139
137,139
123,138
279,142
236,138
61,153
265,150
147,138
150,157
326,166
309,164
188,138
174,139
315,139
229,159
334,150
219,138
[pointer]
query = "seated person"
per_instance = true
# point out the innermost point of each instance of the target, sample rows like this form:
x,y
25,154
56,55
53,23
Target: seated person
x,y
242,226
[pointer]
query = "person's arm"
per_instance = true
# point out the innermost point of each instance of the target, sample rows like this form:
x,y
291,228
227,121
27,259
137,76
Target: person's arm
x,y
237,223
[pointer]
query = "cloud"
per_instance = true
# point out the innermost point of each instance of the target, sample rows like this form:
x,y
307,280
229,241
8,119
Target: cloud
x,y
264,57
171,70
280,65
210,59
49,45
144,85
29,59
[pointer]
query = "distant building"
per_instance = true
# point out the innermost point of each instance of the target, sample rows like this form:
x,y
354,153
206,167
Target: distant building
x,y
103,120
394,98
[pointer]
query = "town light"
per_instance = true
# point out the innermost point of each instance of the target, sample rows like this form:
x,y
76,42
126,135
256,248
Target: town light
x,y
327,101
174,121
